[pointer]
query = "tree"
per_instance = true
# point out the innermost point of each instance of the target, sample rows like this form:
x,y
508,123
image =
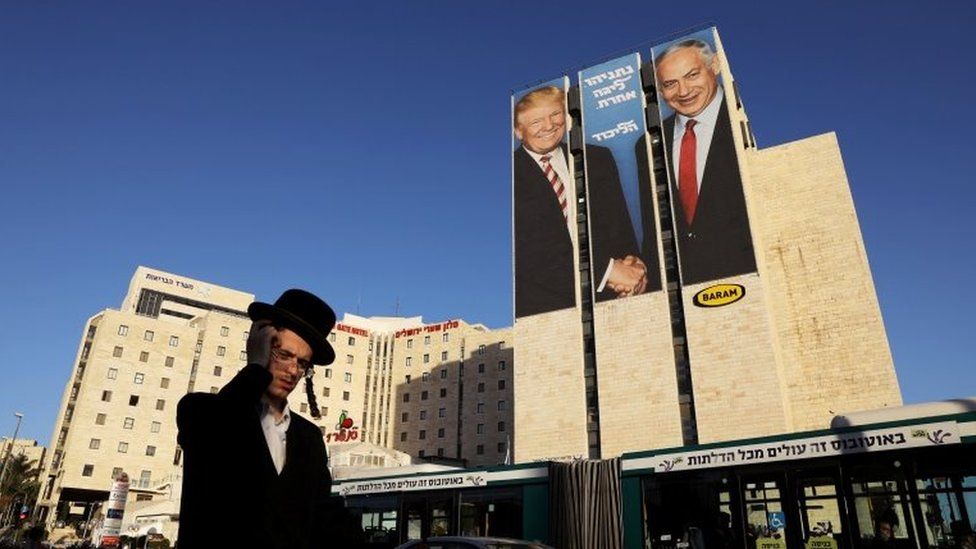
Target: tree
x,y
20,485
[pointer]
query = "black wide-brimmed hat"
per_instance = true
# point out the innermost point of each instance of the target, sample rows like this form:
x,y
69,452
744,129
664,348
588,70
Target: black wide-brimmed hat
x,y
306,315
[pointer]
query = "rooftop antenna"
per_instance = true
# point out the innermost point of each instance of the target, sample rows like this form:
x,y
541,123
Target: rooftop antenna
x,y
359,301
396,310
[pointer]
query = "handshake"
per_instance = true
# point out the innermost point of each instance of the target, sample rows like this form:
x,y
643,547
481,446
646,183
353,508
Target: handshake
x,y
628,276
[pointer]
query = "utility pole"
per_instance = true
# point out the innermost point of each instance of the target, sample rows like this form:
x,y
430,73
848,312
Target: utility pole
x,y
6,458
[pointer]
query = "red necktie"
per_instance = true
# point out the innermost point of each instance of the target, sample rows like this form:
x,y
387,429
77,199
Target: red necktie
x,y
687,176
557,185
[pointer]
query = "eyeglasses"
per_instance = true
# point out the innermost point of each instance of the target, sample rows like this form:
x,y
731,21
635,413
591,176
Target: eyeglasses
x,y
287,357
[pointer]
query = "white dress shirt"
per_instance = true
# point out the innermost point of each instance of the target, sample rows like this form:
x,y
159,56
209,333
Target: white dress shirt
x,y
275,433
704,129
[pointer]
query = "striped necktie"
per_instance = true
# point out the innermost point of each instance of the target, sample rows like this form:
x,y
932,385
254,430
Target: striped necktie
x,y
557,185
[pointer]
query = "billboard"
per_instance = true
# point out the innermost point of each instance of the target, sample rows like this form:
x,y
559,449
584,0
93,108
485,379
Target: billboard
x,y
621,212
544,201
709,211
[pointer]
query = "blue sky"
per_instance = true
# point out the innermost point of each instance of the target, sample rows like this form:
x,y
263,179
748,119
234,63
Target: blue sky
x,y
362,152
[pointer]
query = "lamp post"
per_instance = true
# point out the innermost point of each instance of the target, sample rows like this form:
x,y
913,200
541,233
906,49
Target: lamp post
x,y
6,458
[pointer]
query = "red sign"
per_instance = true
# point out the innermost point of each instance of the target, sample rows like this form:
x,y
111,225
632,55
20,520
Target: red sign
x,y
428,329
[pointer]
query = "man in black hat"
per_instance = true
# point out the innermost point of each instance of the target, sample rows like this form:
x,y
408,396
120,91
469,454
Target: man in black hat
x,y
254,474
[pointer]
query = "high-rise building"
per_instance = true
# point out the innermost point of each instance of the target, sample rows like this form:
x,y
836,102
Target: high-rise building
x,y
749,309
174,335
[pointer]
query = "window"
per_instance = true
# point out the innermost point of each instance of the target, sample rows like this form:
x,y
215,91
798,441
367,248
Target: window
x,y
422,435
440,452
116,471
481,449
425,376
243,356
164,383
326,391
406,397
303,407
442,412
501,404
348,377
409,344
323,411
113,373
150,450
117,351
426,340
328,373
351,341
160,404
123,447
481,368
440,433
403,437
332,337
133,400
99,419
169,362
94,443
443,392
481,428
345,395
501,384
139,378
423,395
501,426
443,356
404,417
446,337
423,415
481,407
481,349
123,330
426,358
501,447
144,356
348,359
145,478
501,365
420,453
148,335
481,387
87,470
224,330
129,423
174,341
155,427
106,396
213,390
407,378
218,370
221,350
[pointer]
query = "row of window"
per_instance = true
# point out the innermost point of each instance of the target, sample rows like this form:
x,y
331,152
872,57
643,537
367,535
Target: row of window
x,y
149,335
143,356
479,449
133,399
139,378
481,405
145,477
445,337
127,423
123,447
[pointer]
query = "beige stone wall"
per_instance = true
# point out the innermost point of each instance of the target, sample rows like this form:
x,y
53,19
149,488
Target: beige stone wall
x,y
835,354
487,411
550,396
638,387
735,376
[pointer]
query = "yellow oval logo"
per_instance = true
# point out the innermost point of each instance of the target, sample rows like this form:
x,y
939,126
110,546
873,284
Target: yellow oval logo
x,y
720,294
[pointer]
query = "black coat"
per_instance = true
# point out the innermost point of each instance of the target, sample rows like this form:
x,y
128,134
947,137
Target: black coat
x,y
232,494
718,243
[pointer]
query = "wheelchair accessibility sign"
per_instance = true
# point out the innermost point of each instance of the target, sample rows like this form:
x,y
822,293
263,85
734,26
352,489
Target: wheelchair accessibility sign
x,y
777,520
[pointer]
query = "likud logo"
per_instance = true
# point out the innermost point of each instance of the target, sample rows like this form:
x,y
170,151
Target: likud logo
x,y
719,295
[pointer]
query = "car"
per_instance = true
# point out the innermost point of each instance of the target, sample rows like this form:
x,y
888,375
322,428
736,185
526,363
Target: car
x,y
471,542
